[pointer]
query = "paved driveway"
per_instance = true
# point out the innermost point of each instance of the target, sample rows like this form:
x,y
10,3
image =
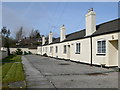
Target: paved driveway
x,y
44,72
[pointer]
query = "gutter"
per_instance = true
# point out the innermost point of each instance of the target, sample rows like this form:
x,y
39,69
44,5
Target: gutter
x,y
91,50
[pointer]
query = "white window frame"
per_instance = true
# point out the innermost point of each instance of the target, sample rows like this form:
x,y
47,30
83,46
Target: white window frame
x,y
51,47
102,48
77,48
64,49
56,49
45,49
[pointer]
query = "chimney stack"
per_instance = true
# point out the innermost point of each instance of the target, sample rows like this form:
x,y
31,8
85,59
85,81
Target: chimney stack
x,y
62,33
90,22
43,40
50,37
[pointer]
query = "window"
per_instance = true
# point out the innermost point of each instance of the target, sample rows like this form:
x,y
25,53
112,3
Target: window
x,y
65,49
56,49
101,45
45,49
77,48
51,49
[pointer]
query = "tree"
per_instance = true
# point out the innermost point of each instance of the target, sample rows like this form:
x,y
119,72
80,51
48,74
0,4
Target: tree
x,y
5,33
35,34
19,34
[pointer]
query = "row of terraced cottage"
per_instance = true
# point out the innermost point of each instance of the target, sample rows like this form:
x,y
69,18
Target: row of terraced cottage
x,y
97,44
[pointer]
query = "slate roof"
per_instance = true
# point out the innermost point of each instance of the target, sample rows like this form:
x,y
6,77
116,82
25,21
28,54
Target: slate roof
x,y
108,27
104,28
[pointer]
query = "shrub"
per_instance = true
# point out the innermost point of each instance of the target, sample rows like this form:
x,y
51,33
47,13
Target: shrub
x,y
45,55
25,53
29,52
19,52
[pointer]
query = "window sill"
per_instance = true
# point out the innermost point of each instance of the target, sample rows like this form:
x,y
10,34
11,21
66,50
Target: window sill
x,y
77,53
101,54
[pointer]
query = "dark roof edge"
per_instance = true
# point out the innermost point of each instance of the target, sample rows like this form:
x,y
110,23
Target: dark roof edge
x,y
105,33
85,37
109,21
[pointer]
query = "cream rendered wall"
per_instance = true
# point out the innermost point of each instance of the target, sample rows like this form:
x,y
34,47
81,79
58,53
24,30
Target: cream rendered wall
x,y
61,50
39,50
34,51
113,53
12,50
56,55
84,56
101,59
85,51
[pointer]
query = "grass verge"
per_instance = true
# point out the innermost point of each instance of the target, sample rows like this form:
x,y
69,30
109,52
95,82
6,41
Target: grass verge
x,y
14,74
12,69
12,58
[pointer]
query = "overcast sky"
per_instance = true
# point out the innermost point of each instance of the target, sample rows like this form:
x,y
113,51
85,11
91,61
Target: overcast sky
x,y
50,16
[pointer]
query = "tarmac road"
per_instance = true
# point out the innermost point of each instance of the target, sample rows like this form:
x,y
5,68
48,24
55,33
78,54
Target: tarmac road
x,y
45,72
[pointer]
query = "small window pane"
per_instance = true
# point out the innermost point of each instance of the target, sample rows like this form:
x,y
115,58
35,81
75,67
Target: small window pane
x,y
77,47
64,48
101,46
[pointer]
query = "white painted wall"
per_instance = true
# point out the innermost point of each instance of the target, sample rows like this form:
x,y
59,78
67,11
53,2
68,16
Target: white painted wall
x,y
85,53
33,51
82,57
39,50
12,50
101,59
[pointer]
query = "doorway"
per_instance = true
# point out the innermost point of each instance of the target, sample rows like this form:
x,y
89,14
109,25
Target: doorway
x,y
68,52
113,53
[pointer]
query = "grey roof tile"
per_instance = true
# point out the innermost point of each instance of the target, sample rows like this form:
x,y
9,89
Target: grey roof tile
x,y
104,28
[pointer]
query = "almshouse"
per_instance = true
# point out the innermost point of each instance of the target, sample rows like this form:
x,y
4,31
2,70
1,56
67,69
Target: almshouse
x,y
97,44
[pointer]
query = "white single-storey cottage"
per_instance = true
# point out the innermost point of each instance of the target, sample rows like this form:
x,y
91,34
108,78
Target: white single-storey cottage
x,y
97,44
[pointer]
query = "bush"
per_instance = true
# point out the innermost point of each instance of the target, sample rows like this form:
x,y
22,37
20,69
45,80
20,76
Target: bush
x,y
29,52
45,55
19,52
25,53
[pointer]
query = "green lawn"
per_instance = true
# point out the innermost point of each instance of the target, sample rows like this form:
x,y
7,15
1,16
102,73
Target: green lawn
x,y
12,69
12,58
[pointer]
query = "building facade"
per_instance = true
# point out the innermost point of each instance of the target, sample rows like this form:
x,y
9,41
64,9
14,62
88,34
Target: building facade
x,y
97,44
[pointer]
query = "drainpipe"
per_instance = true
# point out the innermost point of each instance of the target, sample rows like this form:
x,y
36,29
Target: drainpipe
x,y
91,49
41,50
119,50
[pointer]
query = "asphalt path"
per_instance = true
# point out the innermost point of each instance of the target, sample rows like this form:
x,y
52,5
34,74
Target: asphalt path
x,y
45,72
